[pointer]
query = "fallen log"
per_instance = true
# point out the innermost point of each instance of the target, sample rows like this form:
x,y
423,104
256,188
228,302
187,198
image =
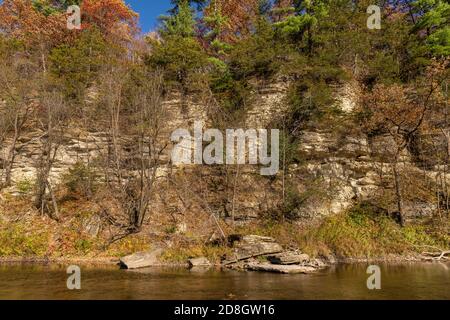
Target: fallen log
x,y
435,256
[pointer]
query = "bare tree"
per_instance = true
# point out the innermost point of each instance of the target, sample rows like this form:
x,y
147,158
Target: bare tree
x,y
16,109
401,112
147,105
136,143
52,119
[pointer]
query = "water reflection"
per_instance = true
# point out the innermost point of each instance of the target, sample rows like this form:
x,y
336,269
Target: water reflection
x,y
402,281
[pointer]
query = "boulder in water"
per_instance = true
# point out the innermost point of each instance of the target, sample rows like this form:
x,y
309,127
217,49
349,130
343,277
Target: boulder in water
x,y
286,269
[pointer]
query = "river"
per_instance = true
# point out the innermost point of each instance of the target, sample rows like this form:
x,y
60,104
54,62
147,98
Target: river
x,y
398,281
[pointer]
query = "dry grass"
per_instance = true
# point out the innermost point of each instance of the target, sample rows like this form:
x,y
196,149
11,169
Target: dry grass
x,y
357,233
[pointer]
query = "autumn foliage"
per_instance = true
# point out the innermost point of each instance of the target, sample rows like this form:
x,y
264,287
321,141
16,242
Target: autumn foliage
x,y
363,114
20,20
113,17
234,16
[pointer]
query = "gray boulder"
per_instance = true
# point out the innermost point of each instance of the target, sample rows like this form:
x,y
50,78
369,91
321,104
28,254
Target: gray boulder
x,y
142,259
288,258
199,262
255,250
291,269
253,246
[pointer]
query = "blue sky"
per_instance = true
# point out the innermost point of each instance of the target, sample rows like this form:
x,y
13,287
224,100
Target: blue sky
x,y
149,11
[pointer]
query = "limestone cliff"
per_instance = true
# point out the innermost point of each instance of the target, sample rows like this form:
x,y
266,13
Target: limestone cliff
x,y
338,168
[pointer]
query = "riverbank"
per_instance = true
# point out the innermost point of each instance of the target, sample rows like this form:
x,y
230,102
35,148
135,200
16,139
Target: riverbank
x,y
357,235
115,261
74,260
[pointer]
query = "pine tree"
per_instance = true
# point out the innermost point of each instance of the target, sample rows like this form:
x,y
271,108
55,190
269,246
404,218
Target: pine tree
x,y
179,53
434,24
181,23
76,66
303,23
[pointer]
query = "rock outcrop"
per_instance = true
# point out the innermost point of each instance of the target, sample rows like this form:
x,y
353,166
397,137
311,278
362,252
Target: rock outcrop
x,y
289,258
286,269
344,168
251,247
142,259
252,253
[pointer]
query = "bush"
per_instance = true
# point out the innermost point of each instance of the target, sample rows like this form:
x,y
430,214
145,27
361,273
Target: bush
x,y
180,58
84,246
15,241
25,186
366,231
81,179
289,210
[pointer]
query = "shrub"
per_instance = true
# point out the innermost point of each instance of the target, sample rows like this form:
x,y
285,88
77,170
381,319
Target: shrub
x,y
366,231
25,186
84,246
81,179
15,241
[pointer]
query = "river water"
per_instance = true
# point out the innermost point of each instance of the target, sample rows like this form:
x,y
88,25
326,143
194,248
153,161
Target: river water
x,y
400,281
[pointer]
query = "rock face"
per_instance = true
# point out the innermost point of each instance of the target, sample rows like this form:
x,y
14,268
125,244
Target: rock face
x,y
343,168
253,246
269,101
199,262
141,259
248,248
82,145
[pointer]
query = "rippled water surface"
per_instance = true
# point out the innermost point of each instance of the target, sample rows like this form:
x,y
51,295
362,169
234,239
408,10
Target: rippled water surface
x,y
405,281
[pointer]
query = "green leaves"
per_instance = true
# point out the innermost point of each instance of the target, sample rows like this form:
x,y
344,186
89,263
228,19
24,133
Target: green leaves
x,y
295,25
307,16
181,24
433,25
439,42
48,7
180,57
76,66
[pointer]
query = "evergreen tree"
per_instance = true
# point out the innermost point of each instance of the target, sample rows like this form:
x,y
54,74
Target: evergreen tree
x,y
76,66
217,24
303,23
434,24
179,53
182,23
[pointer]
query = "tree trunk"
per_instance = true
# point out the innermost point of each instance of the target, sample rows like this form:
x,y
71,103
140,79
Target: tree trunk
x,y
233,209
10,163
41,187
398,192
55,214
12,152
